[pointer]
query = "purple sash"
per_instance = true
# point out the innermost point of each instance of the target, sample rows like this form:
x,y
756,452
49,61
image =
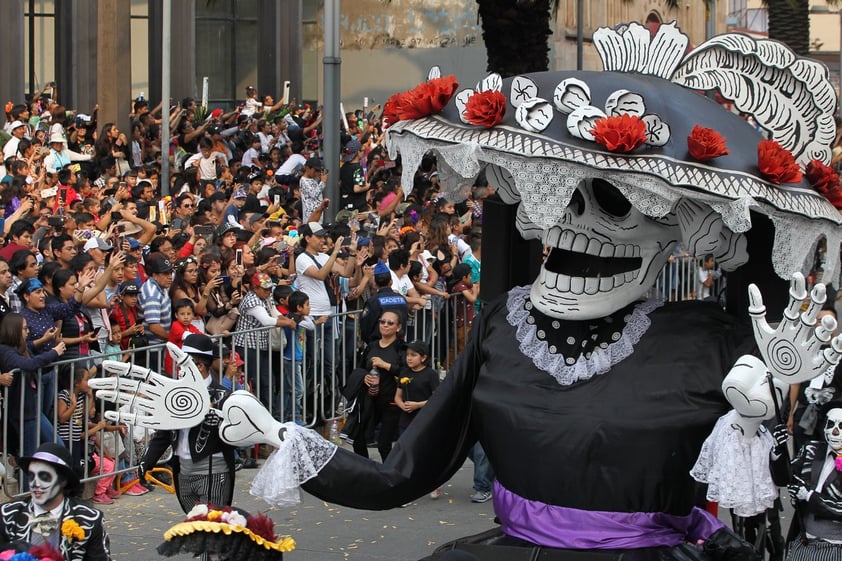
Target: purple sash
x,y
570,528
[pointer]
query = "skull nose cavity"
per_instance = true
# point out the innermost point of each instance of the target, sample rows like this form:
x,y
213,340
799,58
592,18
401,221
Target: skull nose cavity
x,y
577,203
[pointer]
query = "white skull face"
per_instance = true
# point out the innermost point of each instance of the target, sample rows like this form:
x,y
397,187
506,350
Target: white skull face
x,y
746,387
833,430
44,482
604,255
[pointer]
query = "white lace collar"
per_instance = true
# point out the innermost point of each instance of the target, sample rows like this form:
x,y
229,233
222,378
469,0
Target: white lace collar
x,y
600,361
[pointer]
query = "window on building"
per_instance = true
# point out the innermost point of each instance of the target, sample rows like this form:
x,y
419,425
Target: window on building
x,y
226,48
39,40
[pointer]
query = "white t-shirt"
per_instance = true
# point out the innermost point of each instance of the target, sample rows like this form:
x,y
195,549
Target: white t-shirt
x,y
462,247
704,291
293,163
314,288
401,285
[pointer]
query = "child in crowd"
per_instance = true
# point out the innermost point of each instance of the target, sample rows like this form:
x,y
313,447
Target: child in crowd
x,y
416,384
76,409
299,309
460,284
183,312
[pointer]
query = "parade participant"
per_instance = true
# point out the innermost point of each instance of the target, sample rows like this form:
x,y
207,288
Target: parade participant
x,y
592,402
816,488
52,514
203,465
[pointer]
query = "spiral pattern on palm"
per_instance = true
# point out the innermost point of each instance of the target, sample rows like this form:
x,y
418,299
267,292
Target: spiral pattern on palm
x,y
184,403
784,358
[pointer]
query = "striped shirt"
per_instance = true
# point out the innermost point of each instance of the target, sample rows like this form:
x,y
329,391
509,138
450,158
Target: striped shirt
x,y
156,306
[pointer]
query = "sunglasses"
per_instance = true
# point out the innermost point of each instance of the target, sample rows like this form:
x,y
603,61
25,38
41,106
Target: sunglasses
x,y
387,322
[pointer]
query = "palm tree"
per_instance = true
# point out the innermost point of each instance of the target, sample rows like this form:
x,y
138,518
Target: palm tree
x,y
516,34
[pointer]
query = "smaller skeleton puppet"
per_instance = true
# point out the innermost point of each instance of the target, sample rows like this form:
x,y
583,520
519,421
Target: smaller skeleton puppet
x,y
816,491
591,400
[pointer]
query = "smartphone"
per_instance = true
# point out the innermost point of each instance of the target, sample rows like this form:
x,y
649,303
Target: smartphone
x,y
239,257
178,223
389,164
277,200
97,330
83,234
226,280
62,194
48,193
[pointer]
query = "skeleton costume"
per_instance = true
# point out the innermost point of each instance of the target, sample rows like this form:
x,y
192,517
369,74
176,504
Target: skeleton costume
x,y
591,401
27,521
817,489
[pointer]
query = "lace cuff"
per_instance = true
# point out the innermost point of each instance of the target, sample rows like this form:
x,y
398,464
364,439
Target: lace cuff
x,y
300,458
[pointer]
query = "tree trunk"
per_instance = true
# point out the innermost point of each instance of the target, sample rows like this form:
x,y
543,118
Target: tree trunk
x,y
516,35
790,25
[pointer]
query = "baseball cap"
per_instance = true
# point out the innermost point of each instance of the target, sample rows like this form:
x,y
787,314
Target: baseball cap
x,y
240,194
419,347
381,269
16,124
98,243
129,290
133,243
313,229
158,263
257,216
314,163
351,149
262,280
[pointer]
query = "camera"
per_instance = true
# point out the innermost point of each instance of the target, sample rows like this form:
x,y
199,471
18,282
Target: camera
x,y
56,222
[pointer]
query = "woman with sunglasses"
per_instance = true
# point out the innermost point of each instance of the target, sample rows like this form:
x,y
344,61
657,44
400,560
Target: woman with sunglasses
x,y
376,398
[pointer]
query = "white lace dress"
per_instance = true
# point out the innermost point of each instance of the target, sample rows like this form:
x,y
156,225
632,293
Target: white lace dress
x,y
736,469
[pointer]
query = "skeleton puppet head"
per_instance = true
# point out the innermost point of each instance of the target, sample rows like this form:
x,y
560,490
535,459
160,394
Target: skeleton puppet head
x,y
833,429
604,254
691,170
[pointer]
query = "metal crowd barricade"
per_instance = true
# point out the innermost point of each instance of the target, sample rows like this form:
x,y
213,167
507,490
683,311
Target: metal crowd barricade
x,y
679,281
442,325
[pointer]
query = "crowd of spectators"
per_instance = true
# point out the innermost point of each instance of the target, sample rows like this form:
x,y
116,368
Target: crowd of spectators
x,y
96,263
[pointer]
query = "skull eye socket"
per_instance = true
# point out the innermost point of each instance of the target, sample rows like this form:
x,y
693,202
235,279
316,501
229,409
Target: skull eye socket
x,y
610,199
45,477
830,424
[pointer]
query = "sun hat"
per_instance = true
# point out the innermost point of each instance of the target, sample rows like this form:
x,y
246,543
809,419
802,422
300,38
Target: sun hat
x,y
539,135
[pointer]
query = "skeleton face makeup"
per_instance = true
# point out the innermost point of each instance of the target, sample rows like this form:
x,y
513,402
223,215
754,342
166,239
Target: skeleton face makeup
x,y
44,482
604,255
833,430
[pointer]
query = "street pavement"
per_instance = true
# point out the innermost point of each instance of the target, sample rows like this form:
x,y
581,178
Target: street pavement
x,y
322,531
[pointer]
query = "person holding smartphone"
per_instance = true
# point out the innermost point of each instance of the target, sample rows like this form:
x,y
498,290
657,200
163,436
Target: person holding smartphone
x,y
312,186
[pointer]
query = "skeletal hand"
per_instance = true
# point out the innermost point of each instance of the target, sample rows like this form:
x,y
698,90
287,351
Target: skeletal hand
x,y
155,401
792,352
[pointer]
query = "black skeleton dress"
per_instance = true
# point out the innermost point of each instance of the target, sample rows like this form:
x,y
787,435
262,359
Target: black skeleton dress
x,y
593,454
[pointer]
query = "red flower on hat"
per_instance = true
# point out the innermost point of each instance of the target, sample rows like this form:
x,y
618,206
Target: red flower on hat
x,y
776,163
485,109
620,133
426,99
706,144
825,180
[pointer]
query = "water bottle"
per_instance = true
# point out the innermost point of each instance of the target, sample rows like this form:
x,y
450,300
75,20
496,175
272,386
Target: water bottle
x,y
374,389
334,432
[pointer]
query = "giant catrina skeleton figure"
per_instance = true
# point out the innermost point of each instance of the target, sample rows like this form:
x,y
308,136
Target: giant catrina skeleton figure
x,y
591,402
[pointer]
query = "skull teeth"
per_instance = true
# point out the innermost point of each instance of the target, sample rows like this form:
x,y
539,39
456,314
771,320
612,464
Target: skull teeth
x,y
586,285
579,242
